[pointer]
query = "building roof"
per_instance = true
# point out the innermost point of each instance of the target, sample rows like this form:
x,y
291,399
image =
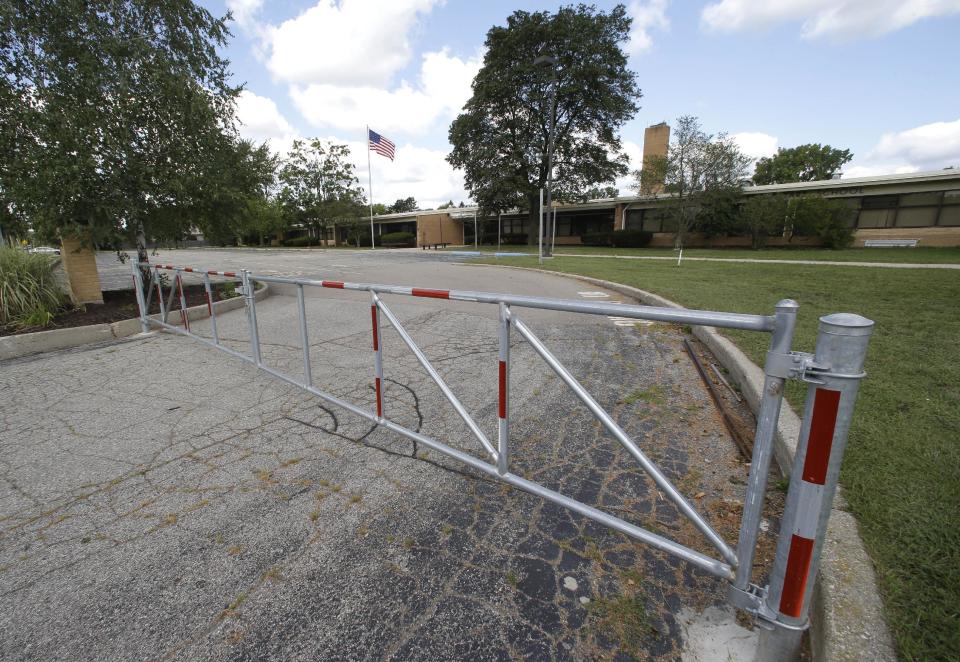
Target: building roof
x,y
946,176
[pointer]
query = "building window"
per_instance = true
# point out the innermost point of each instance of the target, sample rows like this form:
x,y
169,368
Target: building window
x,y
920,199
950,215
634,220
951,197
876,218
916,217
879,202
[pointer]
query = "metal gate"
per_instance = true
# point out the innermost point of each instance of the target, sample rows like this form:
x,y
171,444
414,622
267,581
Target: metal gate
x,y
833,373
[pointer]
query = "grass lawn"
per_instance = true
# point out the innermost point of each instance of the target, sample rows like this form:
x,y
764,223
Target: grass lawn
x,y
901,472
900,255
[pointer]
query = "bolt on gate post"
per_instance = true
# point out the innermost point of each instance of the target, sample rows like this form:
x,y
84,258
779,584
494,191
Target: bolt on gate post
x,y
834,376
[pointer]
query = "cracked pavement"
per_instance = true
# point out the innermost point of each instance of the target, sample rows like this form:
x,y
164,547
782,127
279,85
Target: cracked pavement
x,y
162,500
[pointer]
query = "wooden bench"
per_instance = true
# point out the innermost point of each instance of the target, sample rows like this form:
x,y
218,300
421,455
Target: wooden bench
x,y
440,244
891,243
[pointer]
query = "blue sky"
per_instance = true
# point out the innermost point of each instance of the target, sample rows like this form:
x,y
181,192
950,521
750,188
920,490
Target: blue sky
x,y
875,76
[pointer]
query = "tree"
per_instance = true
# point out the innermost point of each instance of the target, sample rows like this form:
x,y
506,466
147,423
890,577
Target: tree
x,y
446,205
695,162
111,112
500,140
761,216
719,212
804,163
237,198
403,205
814,215
597,192
319,187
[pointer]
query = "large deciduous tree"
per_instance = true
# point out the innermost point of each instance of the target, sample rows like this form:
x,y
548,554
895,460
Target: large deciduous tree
x,y
319,186
804,163
501,138
696,162
112,113
403,205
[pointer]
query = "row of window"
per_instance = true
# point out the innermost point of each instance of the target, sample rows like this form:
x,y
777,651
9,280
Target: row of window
x,y
909,210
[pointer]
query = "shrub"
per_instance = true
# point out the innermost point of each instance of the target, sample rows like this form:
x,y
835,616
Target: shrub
x,y
397,239
29,291
762,216
630,238
596,238
301,242
830,220
513,239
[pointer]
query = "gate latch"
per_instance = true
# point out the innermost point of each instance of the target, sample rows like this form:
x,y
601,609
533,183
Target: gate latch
x,y
796,365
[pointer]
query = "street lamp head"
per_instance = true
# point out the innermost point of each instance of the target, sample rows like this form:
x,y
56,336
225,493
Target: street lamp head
x,y
545,60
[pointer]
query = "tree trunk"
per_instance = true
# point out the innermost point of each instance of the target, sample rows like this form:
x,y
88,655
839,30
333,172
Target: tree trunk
x,y
533,216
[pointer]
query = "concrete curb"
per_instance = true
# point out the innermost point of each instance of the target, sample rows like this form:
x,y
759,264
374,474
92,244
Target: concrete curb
x,y
846,618
26,344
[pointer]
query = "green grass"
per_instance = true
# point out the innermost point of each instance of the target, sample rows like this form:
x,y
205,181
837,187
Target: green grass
x,y
898,255
29,291
901,472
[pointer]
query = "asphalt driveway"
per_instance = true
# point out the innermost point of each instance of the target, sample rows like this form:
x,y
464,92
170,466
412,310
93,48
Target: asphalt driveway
x,y
159,499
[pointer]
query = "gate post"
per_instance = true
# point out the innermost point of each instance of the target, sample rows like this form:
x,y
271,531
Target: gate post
x,y
834,376
141,301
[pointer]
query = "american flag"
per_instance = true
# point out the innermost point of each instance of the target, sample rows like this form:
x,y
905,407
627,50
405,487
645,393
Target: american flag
x,y
381,145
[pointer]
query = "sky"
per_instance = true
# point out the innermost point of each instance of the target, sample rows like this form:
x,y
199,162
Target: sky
x,y
878,77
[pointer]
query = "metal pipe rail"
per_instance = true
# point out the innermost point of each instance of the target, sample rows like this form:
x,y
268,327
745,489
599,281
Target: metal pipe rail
x,y
842,342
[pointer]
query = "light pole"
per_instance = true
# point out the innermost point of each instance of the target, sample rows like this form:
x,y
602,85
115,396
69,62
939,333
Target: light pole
x,y
550,61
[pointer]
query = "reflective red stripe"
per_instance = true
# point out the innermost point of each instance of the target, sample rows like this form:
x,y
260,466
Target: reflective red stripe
x,y
190,269
332,283
209,304
822,424
183,304
230,274
379,399
795,580
502,405
373,315
433,294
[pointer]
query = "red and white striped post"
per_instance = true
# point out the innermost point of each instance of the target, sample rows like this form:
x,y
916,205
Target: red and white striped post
x,y
183,302
377,352
503,395
834,378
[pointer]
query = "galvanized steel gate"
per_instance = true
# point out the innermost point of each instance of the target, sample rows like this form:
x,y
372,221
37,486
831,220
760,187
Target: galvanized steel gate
x,y
833,373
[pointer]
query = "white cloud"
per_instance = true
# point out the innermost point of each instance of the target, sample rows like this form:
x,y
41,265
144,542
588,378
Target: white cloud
x,y
755,145
634,152
646,14
260,120
443,89
927,147
841,19
245,11
934,145
350,42
417,171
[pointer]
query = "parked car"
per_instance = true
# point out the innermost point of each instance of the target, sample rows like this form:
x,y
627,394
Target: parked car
x,y
46,250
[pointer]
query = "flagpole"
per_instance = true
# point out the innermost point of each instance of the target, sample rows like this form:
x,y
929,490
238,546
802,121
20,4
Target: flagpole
x,y
366,139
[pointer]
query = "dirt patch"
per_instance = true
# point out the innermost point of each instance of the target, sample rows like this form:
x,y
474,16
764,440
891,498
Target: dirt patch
x,y
119,305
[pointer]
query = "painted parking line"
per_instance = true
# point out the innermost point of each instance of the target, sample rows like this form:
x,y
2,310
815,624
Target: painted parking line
x,y
618,321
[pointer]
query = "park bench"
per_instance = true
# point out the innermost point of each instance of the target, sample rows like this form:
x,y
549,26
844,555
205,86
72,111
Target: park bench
x,y
439,244
891,243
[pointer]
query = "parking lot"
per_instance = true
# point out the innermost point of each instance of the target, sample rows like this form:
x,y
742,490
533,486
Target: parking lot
x,y
160,499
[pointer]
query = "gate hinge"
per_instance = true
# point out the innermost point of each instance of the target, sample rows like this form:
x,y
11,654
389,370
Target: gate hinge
x,y
753,601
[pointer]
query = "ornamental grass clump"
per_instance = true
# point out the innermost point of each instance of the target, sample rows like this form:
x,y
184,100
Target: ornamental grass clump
x,y
30,293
